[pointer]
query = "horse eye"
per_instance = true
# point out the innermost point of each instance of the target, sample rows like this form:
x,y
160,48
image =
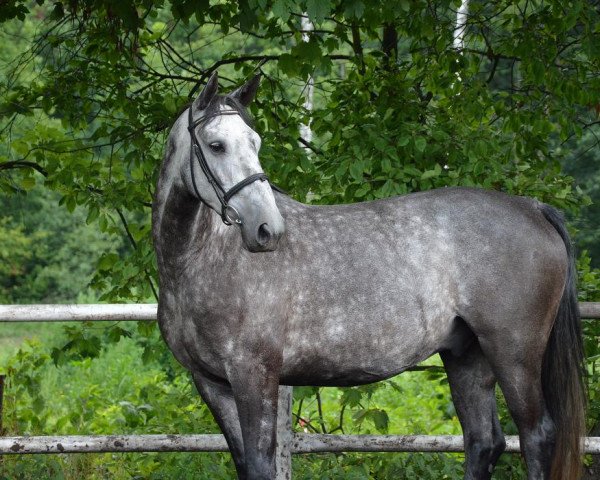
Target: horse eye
x,y
217,147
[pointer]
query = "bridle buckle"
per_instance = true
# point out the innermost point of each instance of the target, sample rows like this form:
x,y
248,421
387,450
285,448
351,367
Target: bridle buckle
x,y
230,215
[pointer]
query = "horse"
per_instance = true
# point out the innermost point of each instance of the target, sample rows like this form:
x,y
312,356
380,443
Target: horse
x,y
258,290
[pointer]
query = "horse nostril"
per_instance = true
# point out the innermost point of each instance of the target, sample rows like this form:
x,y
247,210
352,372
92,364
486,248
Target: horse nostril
x,y
264,235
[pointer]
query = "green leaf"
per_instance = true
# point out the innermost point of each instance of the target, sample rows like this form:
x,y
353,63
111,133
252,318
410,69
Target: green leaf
x,y
538,70
308,51
93,214
282,9
331,44
107,261
317,10
58,12
435,172
262,4
116,333
356,170
145,329
301,393
362,190
353,9
38,404
380,419
28,183
420,144
403,141
351,397
288,64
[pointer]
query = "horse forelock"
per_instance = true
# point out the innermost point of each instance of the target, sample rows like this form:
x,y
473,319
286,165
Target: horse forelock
x,y
225,102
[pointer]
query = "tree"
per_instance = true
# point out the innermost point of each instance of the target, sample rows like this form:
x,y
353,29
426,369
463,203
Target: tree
x,y
48,255
427,114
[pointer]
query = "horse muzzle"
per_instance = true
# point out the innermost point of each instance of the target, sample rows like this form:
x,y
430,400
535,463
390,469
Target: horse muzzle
x,y
265,237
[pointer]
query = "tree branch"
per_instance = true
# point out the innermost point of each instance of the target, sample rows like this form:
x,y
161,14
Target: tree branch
x,y
389,44
134,245
246,58
490,54
310,146
320,410
493,70
23,164
357,47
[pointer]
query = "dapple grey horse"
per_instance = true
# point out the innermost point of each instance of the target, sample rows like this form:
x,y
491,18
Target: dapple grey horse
x,y
258,290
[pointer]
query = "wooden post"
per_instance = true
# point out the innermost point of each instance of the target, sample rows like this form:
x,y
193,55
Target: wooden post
x,y
2,378
283,455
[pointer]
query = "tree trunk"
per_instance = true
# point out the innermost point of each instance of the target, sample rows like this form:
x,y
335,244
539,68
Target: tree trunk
x,y
305,130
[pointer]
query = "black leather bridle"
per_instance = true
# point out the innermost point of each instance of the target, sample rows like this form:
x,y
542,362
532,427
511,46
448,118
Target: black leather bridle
x,y
228,213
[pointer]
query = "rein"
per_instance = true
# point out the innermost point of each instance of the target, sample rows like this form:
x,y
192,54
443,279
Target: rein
x,y
228,213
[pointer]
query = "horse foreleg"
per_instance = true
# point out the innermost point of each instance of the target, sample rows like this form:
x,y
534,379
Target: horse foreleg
x,y
255,389
472,385
219,398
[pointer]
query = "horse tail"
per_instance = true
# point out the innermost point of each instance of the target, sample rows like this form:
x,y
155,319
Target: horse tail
x,y
563,367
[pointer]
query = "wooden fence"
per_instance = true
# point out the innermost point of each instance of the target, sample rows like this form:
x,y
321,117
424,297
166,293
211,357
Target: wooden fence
x,y
288,442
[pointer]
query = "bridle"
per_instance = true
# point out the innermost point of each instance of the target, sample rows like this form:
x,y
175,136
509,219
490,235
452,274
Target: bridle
x,y
228,213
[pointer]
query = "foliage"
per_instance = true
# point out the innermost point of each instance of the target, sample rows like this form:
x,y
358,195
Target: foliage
x,y
89,89
582,160
426,114
15,251
47,254
118,392
115,392
589,281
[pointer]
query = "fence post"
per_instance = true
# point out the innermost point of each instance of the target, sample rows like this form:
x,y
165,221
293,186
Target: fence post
x,y
2,378
283,455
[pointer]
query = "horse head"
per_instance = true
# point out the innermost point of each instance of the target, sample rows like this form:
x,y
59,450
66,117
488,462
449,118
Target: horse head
x,y
224,170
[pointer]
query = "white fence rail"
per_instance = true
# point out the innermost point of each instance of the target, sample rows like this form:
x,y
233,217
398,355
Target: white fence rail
x,y
288,442
78,313
133,311
300,443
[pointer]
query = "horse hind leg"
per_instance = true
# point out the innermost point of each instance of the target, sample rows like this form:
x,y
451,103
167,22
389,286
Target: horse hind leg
x,y
219,398
472,384
518,370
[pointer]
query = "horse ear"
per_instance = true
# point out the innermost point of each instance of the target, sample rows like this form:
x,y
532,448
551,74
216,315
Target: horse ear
x,y
246,93
207,94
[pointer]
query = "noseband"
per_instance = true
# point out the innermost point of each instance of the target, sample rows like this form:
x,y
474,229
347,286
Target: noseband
x,y
228,213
